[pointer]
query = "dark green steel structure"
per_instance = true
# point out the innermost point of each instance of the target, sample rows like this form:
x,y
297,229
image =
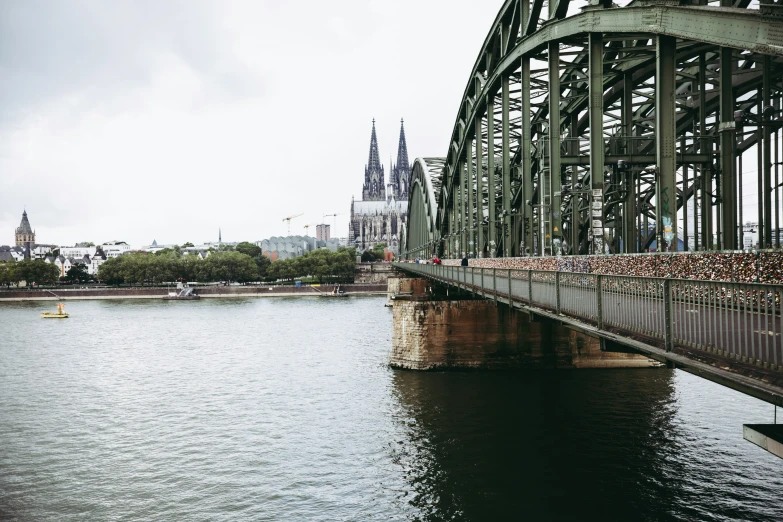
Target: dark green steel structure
x,y
597,128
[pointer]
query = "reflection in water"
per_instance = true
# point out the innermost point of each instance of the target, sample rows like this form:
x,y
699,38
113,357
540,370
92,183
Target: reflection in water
x,y
564,445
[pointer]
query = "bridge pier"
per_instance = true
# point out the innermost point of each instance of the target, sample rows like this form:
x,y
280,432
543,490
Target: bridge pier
x,y
436,328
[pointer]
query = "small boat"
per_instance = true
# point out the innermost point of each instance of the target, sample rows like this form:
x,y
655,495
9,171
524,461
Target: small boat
x,y
183,293
59,315
337,292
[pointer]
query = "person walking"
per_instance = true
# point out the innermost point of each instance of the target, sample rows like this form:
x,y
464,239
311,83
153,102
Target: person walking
x,y
464,259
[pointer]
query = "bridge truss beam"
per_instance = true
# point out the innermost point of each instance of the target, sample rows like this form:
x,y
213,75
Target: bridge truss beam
x,y
614,129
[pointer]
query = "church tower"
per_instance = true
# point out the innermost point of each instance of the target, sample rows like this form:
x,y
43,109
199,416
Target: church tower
x,y
401,172
25,235
374,184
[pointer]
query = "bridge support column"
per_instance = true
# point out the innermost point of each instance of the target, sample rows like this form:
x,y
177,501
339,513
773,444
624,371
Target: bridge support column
x,y
665,182
705,170
491,186
766,184
463,243
596,110
506,121
527,170
471,244
727,203
479,188
630,230
439,328
548,176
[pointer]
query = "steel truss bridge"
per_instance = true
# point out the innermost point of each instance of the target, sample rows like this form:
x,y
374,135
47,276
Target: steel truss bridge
x,y
592,128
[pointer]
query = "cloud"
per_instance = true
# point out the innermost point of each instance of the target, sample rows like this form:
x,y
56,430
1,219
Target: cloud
x,y
165,120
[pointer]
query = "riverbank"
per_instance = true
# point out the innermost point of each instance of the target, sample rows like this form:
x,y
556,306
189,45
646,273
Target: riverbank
x,y
204,292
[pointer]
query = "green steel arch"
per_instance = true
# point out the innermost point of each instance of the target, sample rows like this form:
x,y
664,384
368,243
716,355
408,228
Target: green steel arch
x,y
421,234
656,103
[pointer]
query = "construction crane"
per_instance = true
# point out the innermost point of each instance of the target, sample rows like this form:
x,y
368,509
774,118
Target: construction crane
x,y
307,227
334,216
289,218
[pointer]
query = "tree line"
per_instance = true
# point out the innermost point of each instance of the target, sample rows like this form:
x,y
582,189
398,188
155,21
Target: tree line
x,y
320,264
243,263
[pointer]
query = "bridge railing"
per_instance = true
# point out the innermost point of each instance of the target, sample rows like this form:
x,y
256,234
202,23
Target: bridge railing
x,y
738,320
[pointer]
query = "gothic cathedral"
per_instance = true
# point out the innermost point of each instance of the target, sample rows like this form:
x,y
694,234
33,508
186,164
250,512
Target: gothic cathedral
x,y
383,210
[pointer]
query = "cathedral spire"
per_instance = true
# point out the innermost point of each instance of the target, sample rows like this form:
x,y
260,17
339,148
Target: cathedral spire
x,y
374,184
402,170
374,162
402,149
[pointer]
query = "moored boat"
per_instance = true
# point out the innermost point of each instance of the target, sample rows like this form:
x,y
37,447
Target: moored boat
x,y
337,292
183,293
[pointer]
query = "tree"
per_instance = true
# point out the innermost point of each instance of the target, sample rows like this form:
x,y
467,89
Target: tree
x,y
7,273
248,249
85,244
78,272
111,270
188,244
36,271
262,264
254,251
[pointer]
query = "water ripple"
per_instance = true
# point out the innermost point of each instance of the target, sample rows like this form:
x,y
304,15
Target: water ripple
x,y
284,409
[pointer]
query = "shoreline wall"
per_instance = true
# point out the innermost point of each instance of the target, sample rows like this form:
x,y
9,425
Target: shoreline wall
x,y
204,292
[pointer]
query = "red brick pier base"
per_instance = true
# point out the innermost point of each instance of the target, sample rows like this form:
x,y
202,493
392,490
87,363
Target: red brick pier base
x,y
433,330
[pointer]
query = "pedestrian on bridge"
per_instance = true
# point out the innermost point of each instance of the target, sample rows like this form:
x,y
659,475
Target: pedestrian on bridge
x,y
464,259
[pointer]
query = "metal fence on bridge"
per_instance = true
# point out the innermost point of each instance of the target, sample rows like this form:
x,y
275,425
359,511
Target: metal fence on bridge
x,y
738,320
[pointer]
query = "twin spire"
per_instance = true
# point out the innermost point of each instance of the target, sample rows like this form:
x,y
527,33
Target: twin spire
x,y
374,173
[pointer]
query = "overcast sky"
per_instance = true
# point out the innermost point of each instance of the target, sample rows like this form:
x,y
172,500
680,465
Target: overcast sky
x,y
168,119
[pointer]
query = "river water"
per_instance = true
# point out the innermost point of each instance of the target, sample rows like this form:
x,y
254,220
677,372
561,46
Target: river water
x,y
284,409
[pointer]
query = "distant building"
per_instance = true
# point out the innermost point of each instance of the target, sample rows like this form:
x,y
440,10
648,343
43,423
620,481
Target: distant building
x,y
97,259
115,248
77,251
322,232
383,210
41,251
11,253
288,247
25,235
750,235
65,263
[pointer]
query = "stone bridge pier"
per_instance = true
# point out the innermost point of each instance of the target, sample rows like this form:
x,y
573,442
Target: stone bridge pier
x,y
437,328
